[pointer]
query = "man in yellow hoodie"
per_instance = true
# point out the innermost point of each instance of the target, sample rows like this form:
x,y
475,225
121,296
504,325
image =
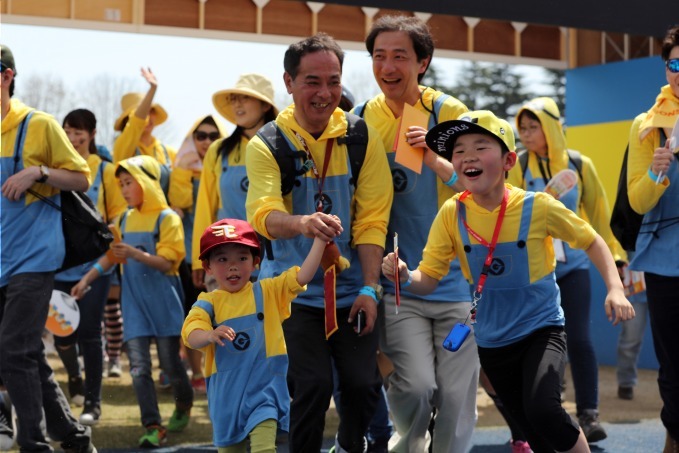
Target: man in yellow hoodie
x,y
36,155
322,192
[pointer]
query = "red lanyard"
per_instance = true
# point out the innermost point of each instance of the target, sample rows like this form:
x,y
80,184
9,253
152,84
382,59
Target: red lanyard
x,y
326,164
491,247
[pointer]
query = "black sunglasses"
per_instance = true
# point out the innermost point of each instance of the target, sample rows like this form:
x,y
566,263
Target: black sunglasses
x,y
200,135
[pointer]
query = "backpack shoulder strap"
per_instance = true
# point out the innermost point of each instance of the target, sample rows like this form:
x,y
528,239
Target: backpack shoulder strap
x,y
523,162
356,140
21,138
282,151
437,104
576,159
359,109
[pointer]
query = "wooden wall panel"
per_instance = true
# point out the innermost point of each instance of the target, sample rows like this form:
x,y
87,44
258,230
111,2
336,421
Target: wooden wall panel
x,y
172,13
342,22
450,32
491,36
286,18
43,8
538,41
588,51
89,10
614,45
231,15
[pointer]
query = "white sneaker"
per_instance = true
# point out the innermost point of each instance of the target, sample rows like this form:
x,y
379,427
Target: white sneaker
x,y
6,429
114,369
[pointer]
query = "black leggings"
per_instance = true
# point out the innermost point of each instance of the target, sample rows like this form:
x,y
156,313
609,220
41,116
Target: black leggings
x,y
527,376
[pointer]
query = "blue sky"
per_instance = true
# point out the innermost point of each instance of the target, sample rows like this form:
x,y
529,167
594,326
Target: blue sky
x,y
189,70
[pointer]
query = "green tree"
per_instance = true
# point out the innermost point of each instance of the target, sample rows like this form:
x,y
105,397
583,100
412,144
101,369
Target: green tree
x,y
496,87
556,81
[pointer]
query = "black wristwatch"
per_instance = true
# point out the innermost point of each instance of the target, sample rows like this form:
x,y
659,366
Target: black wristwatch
x,y
44,173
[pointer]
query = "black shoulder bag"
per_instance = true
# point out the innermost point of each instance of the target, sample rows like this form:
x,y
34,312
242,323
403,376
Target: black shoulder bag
x,y
86,235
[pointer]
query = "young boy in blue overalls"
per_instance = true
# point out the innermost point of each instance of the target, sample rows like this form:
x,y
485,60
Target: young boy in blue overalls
x,y
153,247
503,238
238,327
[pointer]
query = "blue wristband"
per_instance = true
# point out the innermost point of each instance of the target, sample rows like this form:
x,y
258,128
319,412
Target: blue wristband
x,y
654,177
453,179
409,281
99,269
368,291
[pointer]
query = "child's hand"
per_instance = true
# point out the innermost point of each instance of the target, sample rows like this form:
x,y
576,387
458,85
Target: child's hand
x,y
220,333
618,307
80,288
149,76
389,266
123,250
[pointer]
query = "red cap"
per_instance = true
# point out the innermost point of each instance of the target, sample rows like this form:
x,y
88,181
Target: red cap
x,y
228,231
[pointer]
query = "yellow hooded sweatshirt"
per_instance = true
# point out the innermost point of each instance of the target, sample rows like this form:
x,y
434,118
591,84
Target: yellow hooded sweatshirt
x,y
593,206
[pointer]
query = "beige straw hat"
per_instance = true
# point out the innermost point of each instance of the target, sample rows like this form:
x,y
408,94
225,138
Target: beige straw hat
x,y
129,104
253,85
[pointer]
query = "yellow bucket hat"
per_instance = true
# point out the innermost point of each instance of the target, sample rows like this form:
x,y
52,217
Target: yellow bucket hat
x,y
128,105
253,85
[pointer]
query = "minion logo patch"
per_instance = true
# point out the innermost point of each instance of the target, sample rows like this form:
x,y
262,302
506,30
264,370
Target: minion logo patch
x,y
241,341
228,231
400,180
497,267
244,184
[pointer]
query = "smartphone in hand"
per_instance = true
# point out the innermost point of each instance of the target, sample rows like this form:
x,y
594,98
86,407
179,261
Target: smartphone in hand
x,y
359,322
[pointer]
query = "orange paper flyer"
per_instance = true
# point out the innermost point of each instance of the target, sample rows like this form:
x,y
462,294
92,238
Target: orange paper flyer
x,y
406,155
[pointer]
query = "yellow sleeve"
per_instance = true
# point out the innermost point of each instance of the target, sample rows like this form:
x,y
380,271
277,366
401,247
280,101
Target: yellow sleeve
x,y
181,188
562,223
171,242
595,205
374,195
127,141
642,190
440,248
283,289
115,203
264,191
207,201
197,319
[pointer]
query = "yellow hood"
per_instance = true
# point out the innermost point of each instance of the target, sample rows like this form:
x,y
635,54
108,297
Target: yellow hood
x,y
146,171
17,112
337,124
548,113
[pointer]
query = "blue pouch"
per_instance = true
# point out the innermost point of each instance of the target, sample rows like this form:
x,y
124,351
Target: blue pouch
x,y
456,337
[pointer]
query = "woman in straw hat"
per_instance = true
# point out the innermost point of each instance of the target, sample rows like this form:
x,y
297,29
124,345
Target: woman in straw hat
x,y
184,183
140,115
223,185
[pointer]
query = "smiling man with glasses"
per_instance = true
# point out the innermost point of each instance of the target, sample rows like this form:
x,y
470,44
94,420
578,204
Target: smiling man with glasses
x,y
653,190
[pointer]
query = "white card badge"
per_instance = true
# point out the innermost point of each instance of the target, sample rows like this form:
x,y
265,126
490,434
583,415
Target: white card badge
x,y
559,250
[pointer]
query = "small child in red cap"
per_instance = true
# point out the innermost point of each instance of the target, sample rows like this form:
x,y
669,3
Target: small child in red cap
x,y
238,328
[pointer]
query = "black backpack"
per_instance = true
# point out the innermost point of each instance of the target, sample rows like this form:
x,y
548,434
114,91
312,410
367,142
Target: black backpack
x,y
287,159
625,222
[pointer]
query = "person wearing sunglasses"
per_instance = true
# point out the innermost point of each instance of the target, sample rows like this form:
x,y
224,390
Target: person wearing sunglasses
x,y
184,183
653,191
223,184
